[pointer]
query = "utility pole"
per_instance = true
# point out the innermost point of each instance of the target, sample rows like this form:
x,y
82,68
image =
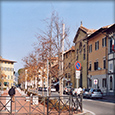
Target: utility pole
x,y
47,76
61,78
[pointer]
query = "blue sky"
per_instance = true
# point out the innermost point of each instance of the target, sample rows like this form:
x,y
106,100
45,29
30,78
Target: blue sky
x,y
20,21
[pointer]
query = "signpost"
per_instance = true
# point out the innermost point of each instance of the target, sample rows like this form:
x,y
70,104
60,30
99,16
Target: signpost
x,y
77,67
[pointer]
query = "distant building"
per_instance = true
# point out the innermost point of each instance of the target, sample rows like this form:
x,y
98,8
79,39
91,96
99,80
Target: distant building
x,y
7,67
69,67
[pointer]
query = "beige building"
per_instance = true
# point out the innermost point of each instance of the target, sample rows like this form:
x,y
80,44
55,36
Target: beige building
x,y
69,65
7,67
98,59
81,52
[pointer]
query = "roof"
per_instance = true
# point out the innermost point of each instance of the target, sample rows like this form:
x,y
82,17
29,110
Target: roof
x,y
71,49
102,29
6,60
112,27
85,30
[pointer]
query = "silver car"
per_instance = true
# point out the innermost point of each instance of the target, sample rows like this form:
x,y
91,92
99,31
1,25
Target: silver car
x,y
85,92
95,93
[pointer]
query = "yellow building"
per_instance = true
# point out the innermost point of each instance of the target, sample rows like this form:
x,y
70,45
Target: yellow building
x,y
7,68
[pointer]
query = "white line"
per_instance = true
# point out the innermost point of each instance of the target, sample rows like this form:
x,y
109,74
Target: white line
x,y
89,111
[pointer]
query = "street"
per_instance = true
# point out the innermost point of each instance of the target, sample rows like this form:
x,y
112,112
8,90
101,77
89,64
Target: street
x,y
99,107
96,106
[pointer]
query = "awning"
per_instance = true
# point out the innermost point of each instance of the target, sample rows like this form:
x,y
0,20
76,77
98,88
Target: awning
x,y
5,83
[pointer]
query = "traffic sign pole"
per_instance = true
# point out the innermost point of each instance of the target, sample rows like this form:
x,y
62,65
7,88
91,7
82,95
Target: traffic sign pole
x,y
95,82
77,67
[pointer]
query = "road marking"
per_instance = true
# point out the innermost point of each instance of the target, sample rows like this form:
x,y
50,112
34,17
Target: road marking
x,y
89,111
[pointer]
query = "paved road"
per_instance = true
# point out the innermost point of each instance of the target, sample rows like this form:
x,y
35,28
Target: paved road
x,y
96,106
99,107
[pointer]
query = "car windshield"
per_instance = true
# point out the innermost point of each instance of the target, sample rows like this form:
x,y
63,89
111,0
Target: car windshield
x,y
97,90
85,89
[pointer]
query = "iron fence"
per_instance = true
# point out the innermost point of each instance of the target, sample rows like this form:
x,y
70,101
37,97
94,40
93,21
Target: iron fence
x,y
40,105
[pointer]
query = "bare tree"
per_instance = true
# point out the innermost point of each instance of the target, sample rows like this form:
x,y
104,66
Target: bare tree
x,y
48,46
51,41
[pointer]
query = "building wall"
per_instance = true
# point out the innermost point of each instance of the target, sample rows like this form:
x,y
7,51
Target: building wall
x,y
69,65
111,71
98,56
8,69
79,53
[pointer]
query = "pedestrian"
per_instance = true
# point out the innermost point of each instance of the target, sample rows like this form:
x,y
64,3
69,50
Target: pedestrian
x,y
11,92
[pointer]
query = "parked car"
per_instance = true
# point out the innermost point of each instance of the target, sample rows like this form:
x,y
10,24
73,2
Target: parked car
x,y
76,91
67,90
42,88
85,92
95,93
53,89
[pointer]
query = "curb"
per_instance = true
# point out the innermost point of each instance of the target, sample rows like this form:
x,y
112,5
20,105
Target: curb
x,y
86,112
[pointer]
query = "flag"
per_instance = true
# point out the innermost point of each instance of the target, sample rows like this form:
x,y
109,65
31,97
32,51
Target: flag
x,y
113,45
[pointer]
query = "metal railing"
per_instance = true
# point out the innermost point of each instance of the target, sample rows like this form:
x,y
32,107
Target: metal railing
x,y
40,105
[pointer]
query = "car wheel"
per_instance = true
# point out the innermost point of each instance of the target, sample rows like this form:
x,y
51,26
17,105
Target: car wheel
x,y
90,96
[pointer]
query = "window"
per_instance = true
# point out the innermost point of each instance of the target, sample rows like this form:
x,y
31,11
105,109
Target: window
x,y
66,56
77,51
1,68
69,65
80,47
5,68
76,58
90,83
104,64
104,82
95,65
97,45
69,76
90,48
104,42
84,56
8,77
89,67
11,76
111,66
111,84
111,46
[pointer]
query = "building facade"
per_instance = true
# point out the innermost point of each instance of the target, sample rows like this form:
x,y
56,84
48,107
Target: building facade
x,y
98,59
111,60
81,53
69,65
7,67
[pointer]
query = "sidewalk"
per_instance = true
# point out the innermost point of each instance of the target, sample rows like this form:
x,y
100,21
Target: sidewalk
x,y
20,101
20,106
109,97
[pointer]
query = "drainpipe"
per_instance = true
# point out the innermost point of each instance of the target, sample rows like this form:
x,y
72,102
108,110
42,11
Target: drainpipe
x,y
87,64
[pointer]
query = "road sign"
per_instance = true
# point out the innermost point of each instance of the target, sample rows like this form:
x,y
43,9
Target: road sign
x,y
77,65
95,81
77,74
